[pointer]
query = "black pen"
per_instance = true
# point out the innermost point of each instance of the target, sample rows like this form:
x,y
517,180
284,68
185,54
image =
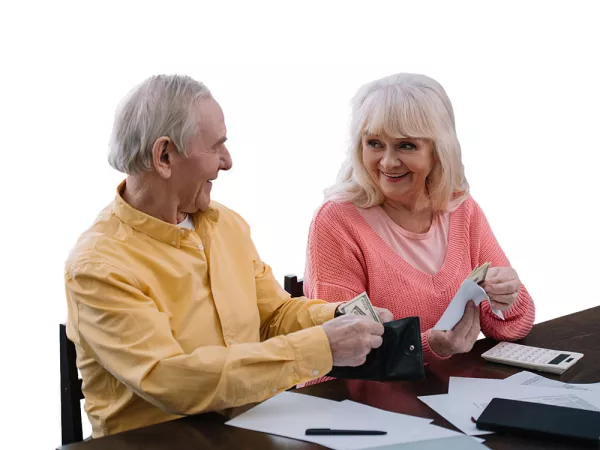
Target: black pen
x,y
331,432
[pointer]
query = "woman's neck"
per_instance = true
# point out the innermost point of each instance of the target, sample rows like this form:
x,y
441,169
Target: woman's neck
x,y
416,219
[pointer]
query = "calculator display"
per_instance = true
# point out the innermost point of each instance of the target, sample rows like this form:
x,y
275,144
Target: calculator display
x,y
560,358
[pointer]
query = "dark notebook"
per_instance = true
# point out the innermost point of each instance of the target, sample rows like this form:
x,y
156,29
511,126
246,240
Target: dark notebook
x,y
536,419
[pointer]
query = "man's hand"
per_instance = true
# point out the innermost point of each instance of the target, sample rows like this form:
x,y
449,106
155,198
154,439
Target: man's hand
x,y
461,338
502,286
351,338
384,314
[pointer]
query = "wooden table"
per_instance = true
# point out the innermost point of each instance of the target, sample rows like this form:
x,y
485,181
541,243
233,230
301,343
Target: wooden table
x,y
579,332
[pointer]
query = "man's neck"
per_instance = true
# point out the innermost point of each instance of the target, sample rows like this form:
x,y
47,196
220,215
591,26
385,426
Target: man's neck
x,y
149,197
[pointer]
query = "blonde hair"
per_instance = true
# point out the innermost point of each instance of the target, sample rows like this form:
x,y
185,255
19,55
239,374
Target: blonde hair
x,y
403,105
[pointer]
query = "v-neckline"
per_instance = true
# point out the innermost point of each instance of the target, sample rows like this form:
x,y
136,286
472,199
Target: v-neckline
x,y
450,264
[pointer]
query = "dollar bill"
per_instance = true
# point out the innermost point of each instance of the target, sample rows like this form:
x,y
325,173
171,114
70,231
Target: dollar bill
x,y
479,273
360,306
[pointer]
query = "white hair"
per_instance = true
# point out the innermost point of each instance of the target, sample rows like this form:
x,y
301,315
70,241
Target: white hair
x,y
160,106
403,105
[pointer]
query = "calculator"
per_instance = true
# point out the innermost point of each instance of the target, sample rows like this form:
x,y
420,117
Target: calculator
x,y
535,358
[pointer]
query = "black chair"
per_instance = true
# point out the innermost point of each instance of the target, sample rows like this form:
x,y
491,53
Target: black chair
x,y
293,286
70,391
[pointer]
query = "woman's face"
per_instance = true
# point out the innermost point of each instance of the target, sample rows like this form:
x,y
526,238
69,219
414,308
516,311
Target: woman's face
x,y
398,166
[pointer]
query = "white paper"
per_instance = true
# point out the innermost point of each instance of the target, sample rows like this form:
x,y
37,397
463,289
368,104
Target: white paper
x,y
457,410
469,290
355,415
290,414
475,386
468,397
460,442
526,378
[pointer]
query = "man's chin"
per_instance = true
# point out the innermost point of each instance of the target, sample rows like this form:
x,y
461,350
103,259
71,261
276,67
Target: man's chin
x,y
203,204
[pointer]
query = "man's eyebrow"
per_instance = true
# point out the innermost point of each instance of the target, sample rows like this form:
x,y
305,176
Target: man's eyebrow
x,y
220,141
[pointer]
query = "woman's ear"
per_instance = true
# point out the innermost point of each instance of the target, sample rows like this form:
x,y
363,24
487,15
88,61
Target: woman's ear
x,y
434,153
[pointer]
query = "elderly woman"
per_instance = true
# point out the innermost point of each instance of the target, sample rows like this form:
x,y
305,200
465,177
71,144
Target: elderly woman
x,y
400,223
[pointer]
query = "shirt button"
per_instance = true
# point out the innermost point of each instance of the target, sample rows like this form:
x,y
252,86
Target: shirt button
x,y
230,342
173,243
200,247
274,390
315,372
182,232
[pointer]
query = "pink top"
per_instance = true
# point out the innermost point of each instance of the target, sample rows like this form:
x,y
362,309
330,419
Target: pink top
x,y
346,257
423,251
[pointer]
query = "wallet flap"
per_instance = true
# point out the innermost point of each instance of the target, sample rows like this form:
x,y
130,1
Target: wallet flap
x,y
400,357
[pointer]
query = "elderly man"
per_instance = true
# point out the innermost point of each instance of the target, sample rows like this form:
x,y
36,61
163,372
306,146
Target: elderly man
x,y
170,307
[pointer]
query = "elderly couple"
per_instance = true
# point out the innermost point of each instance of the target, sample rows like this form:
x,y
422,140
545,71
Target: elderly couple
x,y
171,309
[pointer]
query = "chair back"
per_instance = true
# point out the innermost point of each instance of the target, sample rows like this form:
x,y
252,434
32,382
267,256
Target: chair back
x,y
70,391
293,285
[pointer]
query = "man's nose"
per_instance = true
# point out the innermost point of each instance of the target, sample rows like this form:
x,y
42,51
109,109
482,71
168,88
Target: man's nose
x,y
226,161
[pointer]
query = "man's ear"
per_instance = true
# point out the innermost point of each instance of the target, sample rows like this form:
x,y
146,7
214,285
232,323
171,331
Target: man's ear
x,y
162,156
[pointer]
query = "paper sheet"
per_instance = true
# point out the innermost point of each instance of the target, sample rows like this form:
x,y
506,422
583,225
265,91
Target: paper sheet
x,y
457,410
512,386
355,415
290,414
526,378
469,290
468,397
461,442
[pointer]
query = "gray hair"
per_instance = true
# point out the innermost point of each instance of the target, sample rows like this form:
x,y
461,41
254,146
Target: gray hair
x,y
160,106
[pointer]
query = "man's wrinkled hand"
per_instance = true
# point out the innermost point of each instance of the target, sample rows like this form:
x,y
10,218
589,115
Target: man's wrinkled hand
x,y
351,339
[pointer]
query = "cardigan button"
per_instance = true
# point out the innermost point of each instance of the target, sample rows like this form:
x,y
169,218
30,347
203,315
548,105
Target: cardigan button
x,y
411,348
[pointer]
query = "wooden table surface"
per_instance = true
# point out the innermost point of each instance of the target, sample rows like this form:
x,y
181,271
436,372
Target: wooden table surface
x,y
579,332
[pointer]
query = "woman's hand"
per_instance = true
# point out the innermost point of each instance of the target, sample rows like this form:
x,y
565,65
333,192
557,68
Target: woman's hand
x,y
502,286
461,338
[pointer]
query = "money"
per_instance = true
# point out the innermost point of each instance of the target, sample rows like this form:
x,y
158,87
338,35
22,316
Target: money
x,y
479,273
360,306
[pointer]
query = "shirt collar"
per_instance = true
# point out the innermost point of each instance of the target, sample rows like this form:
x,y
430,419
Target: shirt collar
x,y
155,228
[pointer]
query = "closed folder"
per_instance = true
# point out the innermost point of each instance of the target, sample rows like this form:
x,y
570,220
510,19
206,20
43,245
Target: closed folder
x,y
400,356
540,420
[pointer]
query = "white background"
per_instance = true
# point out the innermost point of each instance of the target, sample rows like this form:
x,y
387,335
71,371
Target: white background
x,y
523,78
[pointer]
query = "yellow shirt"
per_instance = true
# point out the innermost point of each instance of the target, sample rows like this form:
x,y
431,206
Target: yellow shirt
x,y
169,321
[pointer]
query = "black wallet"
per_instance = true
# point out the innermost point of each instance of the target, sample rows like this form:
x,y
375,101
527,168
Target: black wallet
x,y
400,357
536,419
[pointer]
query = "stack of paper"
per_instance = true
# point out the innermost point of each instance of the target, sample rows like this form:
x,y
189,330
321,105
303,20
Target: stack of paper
x,y
525,378
468,397
291,414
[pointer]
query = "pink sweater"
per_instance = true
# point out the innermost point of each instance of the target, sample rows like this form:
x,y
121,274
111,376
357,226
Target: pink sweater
x,y
346,257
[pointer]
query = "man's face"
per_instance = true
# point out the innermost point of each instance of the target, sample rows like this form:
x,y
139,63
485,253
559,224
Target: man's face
x,y
207,155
